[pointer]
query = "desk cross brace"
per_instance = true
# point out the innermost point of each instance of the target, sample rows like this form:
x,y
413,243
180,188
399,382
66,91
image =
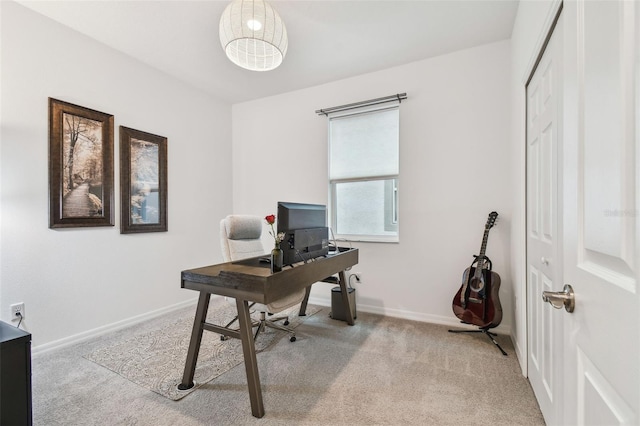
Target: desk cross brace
x,y
248,348
225,331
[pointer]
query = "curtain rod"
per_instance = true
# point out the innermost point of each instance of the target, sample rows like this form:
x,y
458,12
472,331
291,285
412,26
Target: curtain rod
x,y
398,97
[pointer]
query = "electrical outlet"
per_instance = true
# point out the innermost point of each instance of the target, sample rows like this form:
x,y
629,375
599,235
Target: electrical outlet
x,y
17,308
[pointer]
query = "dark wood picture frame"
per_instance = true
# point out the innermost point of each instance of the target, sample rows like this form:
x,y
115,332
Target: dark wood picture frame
x,y
143,182
80,166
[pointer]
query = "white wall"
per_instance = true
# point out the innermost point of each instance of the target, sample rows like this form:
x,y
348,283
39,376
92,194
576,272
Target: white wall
x,y
462,143
76,281
455,165
532,24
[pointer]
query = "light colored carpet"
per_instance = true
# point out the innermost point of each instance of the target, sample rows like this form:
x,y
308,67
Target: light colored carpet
x,y
155,360
381,371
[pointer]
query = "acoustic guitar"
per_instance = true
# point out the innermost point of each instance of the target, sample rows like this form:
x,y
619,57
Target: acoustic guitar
x,y
477,301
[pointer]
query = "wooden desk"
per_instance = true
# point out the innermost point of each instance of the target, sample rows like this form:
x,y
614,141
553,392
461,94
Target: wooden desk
x,y
249,281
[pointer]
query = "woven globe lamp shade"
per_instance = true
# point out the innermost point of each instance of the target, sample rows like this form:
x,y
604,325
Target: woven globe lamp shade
x,y
253,35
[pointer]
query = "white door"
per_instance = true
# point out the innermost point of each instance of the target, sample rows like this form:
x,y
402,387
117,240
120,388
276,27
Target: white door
x,y
544,237
601,211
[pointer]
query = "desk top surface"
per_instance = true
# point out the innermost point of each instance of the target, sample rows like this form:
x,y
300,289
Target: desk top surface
x,y
251,280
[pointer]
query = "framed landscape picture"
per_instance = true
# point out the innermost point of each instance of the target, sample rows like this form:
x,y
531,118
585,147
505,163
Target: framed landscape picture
x,y
80,166
143,181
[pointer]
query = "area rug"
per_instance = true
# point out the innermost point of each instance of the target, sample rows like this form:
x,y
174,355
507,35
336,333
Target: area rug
x,y
155,360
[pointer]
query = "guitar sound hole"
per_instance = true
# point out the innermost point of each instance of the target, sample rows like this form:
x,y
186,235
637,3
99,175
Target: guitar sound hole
x,y
476,285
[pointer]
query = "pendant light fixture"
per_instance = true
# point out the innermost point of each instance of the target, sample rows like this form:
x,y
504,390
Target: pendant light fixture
x,y
253,35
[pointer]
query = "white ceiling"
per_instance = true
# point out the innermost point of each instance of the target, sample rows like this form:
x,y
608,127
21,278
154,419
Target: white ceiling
x,y
328,40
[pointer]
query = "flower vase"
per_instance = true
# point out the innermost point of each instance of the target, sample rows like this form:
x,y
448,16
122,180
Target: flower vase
x,y
276,259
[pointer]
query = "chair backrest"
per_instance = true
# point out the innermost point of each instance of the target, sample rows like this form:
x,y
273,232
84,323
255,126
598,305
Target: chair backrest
x,y
240,237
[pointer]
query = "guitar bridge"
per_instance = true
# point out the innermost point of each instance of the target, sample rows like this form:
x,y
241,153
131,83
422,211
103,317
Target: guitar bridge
x,y
474,300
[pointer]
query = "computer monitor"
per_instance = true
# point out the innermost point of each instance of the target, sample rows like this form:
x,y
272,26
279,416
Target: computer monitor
x,y
305,229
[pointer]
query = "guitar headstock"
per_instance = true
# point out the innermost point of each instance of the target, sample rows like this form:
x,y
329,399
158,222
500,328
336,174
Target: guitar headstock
x,y
491,220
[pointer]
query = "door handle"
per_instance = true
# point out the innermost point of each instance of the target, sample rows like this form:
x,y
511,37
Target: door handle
x,y
544,261
558,299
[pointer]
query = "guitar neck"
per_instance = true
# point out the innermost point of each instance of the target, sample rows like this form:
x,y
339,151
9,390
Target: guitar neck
x,y
481,258
483,249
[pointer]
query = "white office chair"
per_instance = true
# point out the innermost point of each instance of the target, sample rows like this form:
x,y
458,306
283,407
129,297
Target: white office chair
x,y
240,239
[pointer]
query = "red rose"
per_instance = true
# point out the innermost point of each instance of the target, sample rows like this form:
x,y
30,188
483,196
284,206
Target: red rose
x,y
271,219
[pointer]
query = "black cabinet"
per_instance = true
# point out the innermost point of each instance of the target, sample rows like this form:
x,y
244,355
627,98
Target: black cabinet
x,y
15,376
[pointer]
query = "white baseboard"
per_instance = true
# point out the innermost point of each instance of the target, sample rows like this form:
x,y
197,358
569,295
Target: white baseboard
x,y
85,335
522,357
414,316
321,301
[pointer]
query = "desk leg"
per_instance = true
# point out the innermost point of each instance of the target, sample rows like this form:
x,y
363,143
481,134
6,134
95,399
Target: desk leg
x,y
345,298
305,301
250,361
196,339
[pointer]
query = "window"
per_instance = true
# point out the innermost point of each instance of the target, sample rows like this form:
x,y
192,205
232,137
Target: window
x,y
363,173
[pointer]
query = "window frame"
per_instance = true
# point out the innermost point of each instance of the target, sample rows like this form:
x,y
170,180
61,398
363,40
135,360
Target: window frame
x,y
395,197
